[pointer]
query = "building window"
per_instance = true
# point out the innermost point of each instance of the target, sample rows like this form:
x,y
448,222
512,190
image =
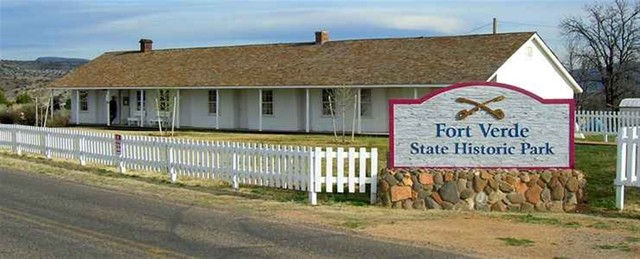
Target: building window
x,y
213,102
267,102
328,102
365,102
139,100
164,100
84,100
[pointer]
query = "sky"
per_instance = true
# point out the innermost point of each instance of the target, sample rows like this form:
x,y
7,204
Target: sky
x,y
88,28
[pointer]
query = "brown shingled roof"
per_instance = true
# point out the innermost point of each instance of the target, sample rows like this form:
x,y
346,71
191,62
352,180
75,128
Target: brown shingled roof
x,y
433,60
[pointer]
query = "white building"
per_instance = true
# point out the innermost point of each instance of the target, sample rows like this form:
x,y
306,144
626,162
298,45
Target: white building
x,y
285,87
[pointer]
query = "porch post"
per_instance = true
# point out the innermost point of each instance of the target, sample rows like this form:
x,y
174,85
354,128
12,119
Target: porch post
x,y
77,110
108,108
306,117
142,104
177,122
259,109
415,93
217,109
359,111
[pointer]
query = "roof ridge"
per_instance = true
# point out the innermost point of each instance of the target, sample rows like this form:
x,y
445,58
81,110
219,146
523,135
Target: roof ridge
x,y
328,42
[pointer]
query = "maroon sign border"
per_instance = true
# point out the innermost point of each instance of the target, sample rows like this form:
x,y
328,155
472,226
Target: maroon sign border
x,y
430,95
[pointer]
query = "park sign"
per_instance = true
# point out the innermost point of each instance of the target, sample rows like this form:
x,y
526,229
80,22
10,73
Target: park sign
x,y
481,125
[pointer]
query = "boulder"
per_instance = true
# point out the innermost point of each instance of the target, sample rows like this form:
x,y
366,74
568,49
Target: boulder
x,y
533,194
479,183
555,206
546,195
406,180
481,199
425,178
399,193
546,176
383,186
419,204
407,204
437,178
516,198
447,205
504,186
436,197
448,177
462,183
527,207
432,204
572,184
449,192
521,187
466,193
485,175
495,197
390,179
499,206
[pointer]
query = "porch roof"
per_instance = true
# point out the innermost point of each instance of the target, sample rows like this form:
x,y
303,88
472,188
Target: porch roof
x,y
399,61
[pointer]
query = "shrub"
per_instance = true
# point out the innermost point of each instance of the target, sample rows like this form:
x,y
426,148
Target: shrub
x,y
5,114
23,98
60,119
3,98
24,114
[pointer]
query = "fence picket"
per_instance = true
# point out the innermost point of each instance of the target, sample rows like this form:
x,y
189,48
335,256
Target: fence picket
x,y
280,166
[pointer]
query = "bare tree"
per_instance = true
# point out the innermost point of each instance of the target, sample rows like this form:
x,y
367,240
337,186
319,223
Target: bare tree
x,y
342,99
607,41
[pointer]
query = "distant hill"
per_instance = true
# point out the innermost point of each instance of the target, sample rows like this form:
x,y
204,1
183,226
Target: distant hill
x,y
17,76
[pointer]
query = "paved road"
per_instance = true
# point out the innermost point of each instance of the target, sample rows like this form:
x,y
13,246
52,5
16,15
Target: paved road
x,y
45,217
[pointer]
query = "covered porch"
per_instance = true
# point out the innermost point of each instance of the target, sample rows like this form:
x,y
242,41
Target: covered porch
x,y
248,109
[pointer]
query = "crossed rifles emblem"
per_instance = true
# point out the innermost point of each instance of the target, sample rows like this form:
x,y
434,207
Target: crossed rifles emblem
x,y
497,113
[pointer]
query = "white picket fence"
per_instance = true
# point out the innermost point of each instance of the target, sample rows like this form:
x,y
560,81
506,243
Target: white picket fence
x,y
314,170
606,122
628,162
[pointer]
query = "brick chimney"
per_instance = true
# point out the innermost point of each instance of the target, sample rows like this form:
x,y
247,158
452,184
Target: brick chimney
x,y
145,45
322,37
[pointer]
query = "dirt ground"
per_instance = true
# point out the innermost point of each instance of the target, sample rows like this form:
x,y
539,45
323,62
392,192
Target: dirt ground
x,y
478,234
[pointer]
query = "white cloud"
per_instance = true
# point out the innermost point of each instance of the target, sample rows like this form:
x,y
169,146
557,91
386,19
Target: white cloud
x,y
185,22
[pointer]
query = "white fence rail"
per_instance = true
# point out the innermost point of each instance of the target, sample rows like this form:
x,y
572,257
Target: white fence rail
x,y
628,162
606,122
314,170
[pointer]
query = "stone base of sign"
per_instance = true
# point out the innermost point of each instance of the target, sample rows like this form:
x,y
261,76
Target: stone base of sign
x,y
554,190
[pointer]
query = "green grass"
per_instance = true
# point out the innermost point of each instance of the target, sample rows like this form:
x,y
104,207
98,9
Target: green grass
x,y
620,247
510,241
598,162
533,219
599,165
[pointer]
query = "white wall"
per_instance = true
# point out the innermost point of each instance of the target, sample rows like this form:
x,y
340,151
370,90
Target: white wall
x,y
531,69
194,109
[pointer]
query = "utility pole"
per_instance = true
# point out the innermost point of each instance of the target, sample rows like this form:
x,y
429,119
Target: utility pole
x,y
495,25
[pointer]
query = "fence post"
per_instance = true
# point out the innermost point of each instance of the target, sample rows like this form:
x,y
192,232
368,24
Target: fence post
x,y
47,145
18,138
374,176
621,166
81,143
311,186
120,156
170,165
14,141
234,165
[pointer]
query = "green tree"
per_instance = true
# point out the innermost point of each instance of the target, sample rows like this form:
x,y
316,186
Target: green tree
x,y
23,98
